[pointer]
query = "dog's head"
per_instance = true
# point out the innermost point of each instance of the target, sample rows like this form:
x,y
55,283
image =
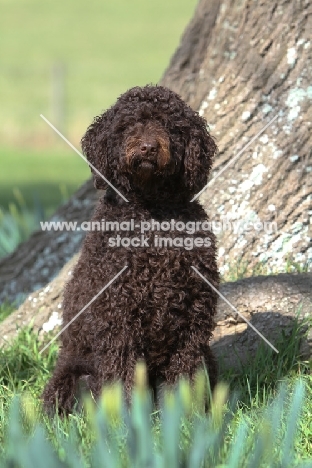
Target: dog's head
x,y
150,138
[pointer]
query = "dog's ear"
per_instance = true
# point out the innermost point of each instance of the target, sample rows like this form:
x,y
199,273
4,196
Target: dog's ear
x,y
94,145
199,153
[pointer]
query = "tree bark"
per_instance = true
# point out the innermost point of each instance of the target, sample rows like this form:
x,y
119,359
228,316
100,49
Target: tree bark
x,y
272,304
241,64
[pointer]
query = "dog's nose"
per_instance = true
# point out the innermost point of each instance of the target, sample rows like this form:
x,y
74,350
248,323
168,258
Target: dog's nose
x,y
148,148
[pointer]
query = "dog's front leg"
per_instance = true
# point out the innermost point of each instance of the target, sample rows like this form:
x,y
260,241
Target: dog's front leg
x,y
188,359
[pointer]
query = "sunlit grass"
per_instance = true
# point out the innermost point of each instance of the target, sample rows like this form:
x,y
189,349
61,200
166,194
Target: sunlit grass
x,y
24,371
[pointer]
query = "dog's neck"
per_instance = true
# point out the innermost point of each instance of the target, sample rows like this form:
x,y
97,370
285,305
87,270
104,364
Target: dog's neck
x,y
148,198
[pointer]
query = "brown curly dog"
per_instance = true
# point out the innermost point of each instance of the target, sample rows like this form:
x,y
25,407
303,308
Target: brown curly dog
x,y
157,152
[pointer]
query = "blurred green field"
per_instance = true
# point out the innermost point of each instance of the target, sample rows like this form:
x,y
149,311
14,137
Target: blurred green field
x,y
47,176
104,47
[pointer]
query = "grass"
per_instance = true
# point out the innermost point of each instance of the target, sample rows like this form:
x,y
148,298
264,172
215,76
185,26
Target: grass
x,y
240,269
24,371
5,310
20,219
47,176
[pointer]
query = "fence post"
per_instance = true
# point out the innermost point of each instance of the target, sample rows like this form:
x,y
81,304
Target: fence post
x,y
58,95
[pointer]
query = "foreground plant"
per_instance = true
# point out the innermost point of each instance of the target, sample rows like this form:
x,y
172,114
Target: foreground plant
x,y
180,434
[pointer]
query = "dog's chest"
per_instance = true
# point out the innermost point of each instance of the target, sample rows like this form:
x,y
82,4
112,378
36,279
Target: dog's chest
x,y
159,234
159,248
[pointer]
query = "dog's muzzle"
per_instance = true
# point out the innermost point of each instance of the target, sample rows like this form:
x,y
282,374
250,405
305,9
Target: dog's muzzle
x,y
144,167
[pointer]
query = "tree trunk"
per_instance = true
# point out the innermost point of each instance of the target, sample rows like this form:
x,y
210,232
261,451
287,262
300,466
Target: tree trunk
x,y
241,64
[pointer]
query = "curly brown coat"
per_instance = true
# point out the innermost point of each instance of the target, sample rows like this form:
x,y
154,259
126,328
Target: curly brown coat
x,y
157,152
